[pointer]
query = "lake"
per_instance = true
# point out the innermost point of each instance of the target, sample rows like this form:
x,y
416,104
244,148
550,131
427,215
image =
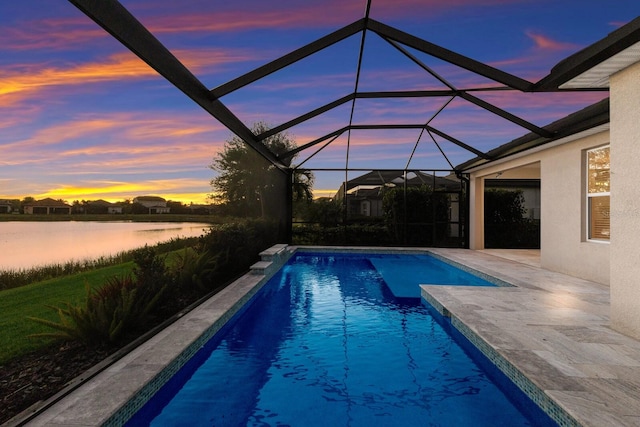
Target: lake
x,y
25,244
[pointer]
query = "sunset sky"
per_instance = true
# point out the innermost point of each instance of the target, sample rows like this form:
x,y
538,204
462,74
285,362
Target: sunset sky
x,y
83,118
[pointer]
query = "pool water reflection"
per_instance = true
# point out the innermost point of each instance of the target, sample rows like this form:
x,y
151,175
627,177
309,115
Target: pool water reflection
x,y
326,343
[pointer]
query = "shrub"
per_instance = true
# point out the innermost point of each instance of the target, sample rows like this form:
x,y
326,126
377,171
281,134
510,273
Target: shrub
x,y
230,249
195,271
150,271
120,309
416,215
323,211
126,306
504,221
111,315
351,234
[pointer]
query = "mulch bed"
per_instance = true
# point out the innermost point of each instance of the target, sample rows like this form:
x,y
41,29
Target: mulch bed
x,y
39,375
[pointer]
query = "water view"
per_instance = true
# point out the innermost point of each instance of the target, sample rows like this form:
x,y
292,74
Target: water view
x,y
33,244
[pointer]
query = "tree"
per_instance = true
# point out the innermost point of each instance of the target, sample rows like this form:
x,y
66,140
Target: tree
x,y
177,207
324,211
246,181
505,224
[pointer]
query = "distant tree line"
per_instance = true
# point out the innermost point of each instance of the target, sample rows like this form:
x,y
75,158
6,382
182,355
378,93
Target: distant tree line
x,y
98,207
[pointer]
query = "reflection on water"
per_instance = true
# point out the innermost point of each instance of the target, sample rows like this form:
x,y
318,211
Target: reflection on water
x,y
32,244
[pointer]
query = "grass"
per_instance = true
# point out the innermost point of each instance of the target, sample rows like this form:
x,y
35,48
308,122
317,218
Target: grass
x,y
32,300
36,299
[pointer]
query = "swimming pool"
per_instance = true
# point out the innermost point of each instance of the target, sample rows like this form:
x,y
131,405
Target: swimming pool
x,y
325,342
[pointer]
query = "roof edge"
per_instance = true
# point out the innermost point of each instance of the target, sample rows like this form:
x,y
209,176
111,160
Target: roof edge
x,y
585,59
589,117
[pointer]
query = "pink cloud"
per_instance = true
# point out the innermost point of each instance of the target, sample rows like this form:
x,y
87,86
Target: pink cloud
x,y
68,33
536,61
181,139
409,8
618,24
51,34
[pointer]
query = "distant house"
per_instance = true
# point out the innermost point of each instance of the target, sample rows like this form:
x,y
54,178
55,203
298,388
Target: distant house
x,y
155,204
6,206
47,206
102,206
364,193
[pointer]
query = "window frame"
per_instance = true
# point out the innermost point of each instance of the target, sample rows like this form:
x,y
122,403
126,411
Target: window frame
x,y
589,197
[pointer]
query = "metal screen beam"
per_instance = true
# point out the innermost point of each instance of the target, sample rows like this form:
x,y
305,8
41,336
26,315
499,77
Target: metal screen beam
x,y
430,129
388,126
311,114
506,115
123,26
407,94
289,59
457,142
462,61
295,151
422,65
364,95
382,127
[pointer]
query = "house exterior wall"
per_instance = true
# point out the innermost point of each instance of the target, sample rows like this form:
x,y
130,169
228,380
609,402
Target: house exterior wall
x,y
46,210
563,244
625,200
563,240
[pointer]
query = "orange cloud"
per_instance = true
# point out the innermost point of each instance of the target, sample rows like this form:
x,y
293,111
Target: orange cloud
x,y
29,80
546,43
115,67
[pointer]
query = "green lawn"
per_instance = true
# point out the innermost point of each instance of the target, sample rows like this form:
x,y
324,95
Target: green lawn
x,y
32,300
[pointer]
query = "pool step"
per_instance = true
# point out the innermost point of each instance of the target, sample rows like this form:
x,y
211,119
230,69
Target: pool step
x,y
271,260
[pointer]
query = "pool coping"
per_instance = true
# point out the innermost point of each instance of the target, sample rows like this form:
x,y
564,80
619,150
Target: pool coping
x,y
113,395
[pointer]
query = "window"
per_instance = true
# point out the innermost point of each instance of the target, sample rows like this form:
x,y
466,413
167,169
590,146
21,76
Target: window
x,y
598,227
365,208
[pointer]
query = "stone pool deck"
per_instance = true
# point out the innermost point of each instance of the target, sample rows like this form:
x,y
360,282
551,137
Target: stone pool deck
x,y
550,327
554,329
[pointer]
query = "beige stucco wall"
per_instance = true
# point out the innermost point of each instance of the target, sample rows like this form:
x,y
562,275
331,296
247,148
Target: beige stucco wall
x,y
563,240
625,200
564,247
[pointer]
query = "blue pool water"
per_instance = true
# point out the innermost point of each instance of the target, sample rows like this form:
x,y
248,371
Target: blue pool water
x,y
325,343
404,273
